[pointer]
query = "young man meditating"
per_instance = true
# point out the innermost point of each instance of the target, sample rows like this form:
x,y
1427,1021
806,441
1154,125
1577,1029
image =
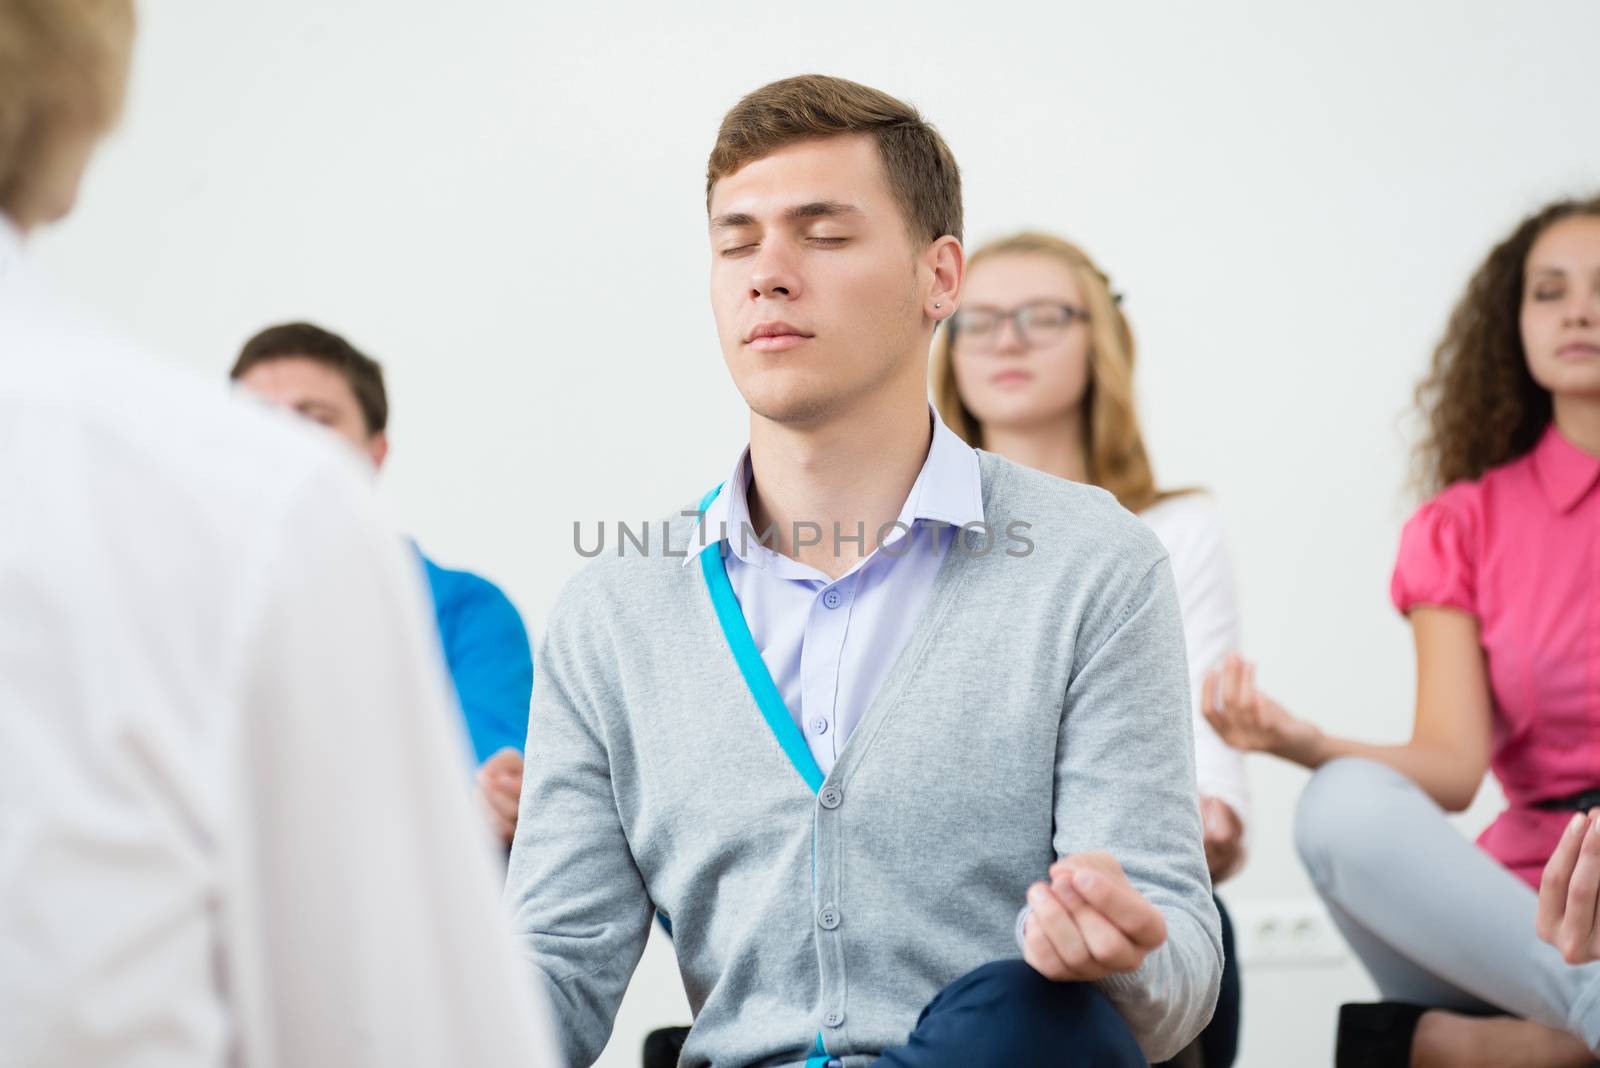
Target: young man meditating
x,y
882,694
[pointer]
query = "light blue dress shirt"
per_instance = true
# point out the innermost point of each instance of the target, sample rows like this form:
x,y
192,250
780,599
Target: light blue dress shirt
x,y
828,643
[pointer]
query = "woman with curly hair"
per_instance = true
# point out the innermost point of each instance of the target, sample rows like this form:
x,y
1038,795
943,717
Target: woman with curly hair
x,y
1499,573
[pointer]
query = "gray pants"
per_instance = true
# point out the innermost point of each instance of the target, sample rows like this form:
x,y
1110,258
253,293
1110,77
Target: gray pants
x,y
1435,919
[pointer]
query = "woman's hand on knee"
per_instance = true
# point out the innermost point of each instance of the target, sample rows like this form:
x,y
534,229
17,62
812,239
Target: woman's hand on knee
x,y
1089,922
1569,892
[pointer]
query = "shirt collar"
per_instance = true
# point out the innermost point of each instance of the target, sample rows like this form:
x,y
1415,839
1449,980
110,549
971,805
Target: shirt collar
x,y
1566,472
948,489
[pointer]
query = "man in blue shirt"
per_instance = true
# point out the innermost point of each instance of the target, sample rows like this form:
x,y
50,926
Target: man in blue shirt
x,y
321,376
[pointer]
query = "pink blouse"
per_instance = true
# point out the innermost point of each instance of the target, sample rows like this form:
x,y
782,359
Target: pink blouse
x,y
1520,549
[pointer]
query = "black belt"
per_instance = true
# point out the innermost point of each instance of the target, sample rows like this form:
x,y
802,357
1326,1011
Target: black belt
x,y
1576,803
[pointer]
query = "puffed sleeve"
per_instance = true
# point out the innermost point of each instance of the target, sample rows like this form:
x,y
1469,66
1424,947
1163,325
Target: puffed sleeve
x,y
1437,565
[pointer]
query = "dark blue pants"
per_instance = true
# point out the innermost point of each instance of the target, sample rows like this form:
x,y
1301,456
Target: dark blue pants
x,y
1006,1015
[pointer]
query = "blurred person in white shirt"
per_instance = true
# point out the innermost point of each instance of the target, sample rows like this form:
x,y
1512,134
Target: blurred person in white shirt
x,y
232,825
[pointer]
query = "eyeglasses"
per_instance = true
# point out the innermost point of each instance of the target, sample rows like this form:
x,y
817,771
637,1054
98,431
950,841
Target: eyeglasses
x,y
1038,323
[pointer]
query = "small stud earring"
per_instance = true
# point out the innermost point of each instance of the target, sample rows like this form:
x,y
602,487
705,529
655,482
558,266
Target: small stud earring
x,y
936,306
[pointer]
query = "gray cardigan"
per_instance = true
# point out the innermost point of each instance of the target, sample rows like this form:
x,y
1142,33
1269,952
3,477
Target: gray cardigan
x,y
1039,708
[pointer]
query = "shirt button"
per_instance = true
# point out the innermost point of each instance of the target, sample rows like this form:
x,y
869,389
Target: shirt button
x,y
832,599
834,1018
828,919
819,726
832,797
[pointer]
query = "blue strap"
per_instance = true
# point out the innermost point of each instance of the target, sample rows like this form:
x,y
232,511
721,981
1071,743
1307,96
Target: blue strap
x,y
819,1056
751,666
759,680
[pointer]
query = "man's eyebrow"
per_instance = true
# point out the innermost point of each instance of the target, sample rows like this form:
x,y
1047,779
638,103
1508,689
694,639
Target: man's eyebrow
x,y
822,209
817,209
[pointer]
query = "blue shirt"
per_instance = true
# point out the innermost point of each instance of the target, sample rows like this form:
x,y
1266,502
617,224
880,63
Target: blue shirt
x,y
486,648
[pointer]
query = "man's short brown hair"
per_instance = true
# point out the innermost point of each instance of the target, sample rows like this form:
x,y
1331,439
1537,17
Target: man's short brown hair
x,y
922,172
362,372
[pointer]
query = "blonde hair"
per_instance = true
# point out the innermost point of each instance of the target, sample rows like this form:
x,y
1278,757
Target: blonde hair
x,y
63,65
1117,460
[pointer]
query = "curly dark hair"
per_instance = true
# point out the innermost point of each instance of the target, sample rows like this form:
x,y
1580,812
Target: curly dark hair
x,y
1479,400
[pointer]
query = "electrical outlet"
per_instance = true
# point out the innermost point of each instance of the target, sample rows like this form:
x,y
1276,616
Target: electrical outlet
x,y
1285,933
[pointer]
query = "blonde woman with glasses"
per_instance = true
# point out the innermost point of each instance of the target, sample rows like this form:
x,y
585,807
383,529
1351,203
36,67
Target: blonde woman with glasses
x,y
1037,366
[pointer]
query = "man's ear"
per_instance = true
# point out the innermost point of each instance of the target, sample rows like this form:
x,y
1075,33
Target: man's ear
x,y
946,264
378,449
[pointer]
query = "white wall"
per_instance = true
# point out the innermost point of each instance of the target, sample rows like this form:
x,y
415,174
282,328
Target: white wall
x,y
503,202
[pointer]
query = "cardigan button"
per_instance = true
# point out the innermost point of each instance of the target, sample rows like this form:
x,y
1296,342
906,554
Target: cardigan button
x,y
834,1018
831,797
828,918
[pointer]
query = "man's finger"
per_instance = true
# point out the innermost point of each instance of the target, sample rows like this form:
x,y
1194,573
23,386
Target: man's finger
x,y
1119,902
505,760
502,828
1055,923
1041,955
500,805
1577,921
1106,943
504,808
505,805
1557,876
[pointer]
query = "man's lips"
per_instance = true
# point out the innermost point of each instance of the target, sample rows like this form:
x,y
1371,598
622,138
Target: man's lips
x,y
776,342
775,336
